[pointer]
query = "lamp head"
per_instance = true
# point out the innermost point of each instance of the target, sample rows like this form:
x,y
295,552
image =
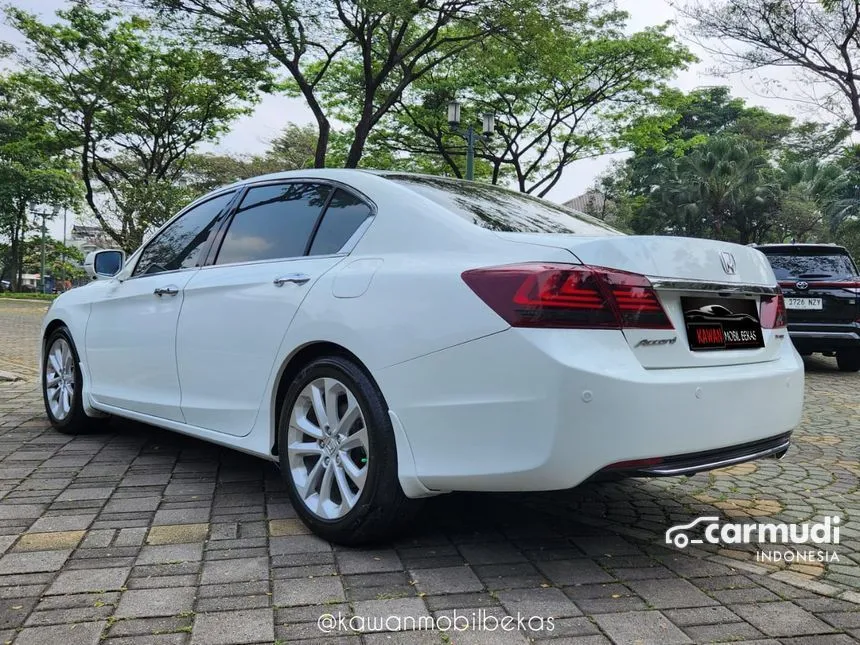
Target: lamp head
x,y
454,113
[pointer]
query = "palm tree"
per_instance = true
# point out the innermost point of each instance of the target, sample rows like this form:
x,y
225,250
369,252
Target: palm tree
x,y
731,185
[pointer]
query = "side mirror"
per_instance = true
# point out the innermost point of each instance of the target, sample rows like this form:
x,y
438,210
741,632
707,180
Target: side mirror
x,y
104,264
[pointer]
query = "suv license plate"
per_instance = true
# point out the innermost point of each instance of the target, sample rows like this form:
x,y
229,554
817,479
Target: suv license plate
x,y
804,303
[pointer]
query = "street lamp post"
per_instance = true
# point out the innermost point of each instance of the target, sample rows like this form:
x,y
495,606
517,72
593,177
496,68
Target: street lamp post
x,y
65,275
44,215
42,274
469,134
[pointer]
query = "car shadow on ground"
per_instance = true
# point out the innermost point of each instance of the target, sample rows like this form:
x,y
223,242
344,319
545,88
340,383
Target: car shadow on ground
x,y
818,363
598,511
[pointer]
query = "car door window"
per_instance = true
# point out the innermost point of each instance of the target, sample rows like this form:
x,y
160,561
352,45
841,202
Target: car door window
x,y
273,221
181,245
343,215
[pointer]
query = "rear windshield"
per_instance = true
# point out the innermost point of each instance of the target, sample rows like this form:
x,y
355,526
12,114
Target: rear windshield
x,y
499,209
812,265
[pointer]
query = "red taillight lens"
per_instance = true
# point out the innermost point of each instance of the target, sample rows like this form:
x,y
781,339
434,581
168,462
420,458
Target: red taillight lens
x,y
568,296
773,314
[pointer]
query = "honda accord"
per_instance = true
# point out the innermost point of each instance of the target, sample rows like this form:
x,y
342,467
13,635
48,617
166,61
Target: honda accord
x,y
386,337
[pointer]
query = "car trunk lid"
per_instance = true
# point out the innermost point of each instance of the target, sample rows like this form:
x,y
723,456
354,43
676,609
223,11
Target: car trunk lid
x,y
687,274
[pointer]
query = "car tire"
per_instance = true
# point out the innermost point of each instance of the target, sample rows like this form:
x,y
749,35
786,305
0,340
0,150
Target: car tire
x,y
341,472
61,385
848,360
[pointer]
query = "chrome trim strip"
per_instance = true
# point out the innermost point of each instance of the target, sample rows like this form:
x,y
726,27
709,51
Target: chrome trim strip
x,y
846,335
722,288
720,463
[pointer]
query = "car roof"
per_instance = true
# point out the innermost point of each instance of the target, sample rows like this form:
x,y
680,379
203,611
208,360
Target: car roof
x,y
322,173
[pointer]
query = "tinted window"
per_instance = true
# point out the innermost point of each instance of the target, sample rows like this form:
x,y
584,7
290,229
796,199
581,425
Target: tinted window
x,y
180,245
820,265
344,215
499,209
273,221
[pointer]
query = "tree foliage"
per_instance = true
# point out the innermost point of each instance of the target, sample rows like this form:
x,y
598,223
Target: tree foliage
x,y
819,39
372,49
61,261
292,149
563,84
34,169
133,104
710,166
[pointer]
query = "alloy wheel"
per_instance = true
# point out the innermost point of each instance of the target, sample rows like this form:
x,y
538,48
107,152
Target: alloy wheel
x,y
60,379
328,448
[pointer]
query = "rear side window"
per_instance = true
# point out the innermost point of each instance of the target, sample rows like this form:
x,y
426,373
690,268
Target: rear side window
x,y
344,214
499,209
182,243
272,222
811,265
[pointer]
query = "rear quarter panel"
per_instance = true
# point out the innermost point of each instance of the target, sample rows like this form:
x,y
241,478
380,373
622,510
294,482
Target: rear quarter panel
x,y
415,301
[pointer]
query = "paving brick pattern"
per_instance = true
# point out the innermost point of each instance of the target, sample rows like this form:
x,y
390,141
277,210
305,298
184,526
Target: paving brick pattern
x,y
137,535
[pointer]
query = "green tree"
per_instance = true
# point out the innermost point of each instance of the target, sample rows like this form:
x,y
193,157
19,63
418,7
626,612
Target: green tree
x,y
723,188
815,200
134,104
708,165
562,85
818,39
61,261
292,149
681,121
845,217
371,49
34,169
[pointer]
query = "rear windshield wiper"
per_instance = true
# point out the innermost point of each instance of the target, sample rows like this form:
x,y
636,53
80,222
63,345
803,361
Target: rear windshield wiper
x,y
815,275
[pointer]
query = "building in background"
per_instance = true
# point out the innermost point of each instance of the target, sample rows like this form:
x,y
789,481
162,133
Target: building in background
x,y
593,203
89,238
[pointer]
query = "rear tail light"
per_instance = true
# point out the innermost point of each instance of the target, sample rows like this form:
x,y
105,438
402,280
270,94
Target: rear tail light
x,y
568,296
773,314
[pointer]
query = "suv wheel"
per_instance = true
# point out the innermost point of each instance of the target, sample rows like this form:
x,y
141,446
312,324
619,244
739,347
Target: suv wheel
x,y
338,457
848,360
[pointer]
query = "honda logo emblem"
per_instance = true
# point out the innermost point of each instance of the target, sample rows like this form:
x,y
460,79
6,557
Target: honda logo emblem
x,y
728,261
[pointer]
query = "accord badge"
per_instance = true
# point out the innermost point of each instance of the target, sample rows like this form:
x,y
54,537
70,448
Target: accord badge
x,y
647,342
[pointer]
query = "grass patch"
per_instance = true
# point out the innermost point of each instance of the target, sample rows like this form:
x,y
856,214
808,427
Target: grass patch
x,y
28,296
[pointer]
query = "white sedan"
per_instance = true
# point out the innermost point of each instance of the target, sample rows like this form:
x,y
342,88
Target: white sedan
x,y
387,337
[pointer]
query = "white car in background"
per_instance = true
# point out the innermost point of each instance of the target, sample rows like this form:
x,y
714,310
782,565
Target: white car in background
x,y
387,337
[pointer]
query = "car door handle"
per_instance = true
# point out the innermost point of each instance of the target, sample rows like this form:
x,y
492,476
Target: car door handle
x,y
166,291
295,278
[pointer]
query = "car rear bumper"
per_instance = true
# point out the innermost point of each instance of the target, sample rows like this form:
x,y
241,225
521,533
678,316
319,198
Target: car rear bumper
x,y
546,409
689,464
818,337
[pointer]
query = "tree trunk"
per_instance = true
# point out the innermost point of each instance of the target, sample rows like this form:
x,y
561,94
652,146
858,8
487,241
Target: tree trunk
x,y
356,150
322,142
17,244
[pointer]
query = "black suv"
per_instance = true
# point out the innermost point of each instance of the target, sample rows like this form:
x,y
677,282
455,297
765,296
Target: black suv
x,y
821,285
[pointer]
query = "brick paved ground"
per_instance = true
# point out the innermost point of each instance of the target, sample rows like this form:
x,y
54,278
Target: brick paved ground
x,y
136,535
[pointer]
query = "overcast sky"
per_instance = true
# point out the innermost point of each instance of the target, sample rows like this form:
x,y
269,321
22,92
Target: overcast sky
x,y
252,133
